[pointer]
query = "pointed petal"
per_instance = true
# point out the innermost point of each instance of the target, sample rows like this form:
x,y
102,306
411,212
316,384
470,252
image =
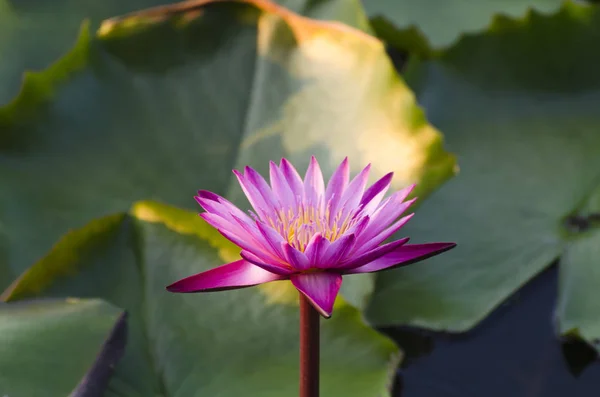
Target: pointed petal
x,y
315,248
209,195
262,208
293,179
237,229
366,243
266,256
403,256
245,237
321,289
395,199
355,190
273,238
219,223
314,186
250,229
280,187
337,184
360,226
387,213
256,239
218,205
373,196
381,185
238,274
370,256
336,252
277,268
262,187
295,258
213,207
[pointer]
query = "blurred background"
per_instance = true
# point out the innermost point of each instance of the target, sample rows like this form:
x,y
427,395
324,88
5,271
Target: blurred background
x,y
113,115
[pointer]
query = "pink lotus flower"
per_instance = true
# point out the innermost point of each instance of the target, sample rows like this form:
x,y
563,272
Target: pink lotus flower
x,y
307,233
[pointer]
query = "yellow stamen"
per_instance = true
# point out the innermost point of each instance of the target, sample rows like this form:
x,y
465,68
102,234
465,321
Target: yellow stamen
x,y
298,225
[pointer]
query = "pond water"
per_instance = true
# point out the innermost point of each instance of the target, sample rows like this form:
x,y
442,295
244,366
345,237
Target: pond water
x,y
513,353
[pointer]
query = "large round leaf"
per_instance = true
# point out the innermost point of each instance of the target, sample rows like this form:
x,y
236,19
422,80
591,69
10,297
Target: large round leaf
x,y
35,33
168,101
57,347
231,343
527,138
442,22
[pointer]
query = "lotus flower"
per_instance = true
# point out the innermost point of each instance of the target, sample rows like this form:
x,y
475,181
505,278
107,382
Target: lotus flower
x,y
308,233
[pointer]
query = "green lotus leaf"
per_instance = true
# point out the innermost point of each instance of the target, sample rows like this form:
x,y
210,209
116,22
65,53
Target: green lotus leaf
x,y
431,25
526,135
57,348
33,34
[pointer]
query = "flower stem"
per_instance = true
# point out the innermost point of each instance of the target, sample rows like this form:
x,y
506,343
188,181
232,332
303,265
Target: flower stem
x,y
309,349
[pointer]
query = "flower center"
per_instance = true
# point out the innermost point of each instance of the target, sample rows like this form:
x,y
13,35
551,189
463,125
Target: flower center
x,y
298,225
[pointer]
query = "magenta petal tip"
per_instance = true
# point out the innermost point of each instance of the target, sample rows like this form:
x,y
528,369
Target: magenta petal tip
x,y
321,289
238,274
207,195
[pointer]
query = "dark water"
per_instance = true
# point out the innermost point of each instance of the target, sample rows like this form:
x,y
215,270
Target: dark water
x,y
513,353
